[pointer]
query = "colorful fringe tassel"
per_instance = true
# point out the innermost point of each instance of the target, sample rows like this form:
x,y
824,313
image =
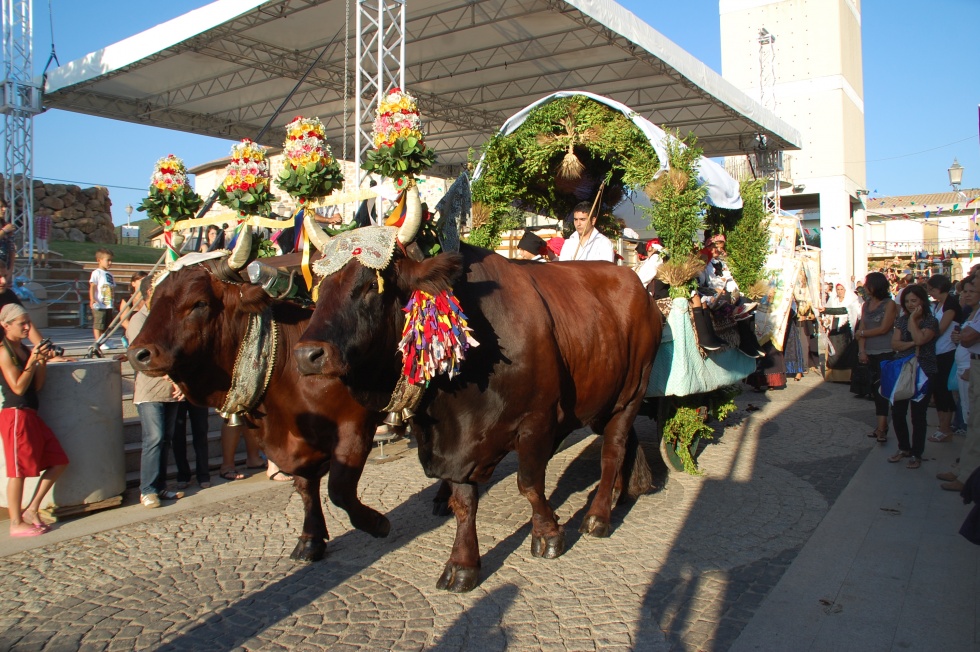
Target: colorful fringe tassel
x,y
435,338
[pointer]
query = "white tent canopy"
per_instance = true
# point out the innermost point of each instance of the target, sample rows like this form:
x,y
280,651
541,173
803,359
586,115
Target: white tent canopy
x,y
224,69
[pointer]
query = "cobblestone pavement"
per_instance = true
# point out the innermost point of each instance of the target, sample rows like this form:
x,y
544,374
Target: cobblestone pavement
x,y
684,569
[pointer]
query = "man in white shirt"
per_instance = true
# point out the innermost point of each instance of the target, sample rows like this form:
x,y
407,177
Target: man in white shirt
x,y
586,243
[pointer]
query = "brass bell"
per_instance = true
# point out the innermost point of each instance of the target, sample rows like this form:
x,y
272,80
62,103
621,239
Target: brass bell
x,y
393,419
235,420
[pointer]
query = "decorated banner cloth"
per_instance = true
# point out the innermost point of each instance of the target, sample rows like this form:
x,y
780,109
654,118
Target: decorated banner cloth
x,y
373,247
722,189
435,337
455,205
254,365
679,369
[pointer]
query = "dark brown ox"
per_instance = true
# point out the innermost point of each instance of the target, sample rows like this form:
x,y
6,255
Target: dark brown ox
x,y
306,425
561,346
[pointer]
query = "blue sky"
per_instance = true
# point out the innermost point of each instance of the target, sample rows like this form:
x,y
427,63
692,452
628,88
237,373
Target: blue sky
x,y
921,91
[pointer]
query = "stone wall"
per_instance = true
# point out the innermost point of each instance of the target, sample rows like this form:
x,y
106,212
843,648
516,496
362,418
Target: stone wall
x,y
80,214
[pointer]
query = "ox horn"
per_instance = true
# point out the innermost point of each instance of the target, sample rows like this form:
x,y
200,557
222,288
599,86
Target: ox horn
x,y
242,251
413,214
318,237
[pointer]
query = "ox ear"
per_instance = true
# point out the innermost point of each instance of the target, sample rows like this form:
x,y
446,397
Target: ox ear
x,y
432,275
253,297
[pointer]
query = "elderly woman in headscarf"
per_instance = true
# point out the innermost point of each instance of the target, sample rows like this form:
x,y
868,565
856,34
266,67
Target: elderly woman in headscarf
x,y
843,309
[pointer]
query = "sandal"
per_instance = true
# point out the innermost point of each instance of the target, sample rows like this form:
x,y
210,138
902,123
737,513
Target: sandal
x,y
281,476
33,519
879,436
899,456
914,463
940,437
232,475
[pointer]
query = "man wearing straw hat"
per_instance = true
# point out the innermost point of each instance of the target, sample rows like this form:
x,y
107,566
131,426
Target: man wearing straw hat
x,y
586,243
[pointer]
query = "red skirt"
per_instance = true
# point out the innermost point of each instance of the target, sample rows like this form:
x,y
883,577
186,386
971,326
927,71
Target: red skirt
x,y
28,443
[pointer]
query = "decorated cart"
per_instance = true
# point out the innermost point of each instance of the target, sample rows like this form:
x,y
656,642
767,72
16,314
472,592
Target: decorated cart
x,y
574,146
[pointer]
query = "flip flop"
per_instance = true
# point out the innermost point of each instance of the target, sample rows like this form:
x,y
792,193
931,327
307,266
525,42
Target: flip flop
x,y
897,457
33,532
232,475
281,476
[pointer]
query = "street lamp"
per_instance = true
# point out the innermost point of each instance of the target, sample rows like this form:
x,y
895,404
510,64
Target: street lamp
x,y
129,213
955,172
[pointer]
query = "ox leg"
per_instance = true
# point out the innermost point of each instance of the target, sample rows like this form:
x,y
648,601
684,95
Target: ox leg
x,y
440,502
547,537
462,571
312,545
614,438
345,473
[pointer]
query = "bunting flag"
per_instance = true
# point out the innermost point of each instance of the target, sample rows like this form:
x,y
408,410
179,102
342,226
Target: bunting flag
x,y
234,236
168,240
303,242
398,213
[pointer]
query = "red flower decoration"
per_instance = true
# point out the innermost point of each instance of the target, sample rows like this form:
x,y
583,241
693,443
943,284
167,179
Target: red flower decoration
x,y
357,251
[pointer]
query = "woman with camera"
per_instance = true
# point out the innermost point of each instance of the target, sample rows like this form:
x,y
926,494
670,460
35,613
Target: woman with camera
x,y
31,449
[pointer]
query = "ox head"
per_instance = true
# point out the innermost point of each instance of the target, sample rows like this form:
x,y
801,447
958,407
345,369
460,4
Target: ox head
x,y
358,318
196,310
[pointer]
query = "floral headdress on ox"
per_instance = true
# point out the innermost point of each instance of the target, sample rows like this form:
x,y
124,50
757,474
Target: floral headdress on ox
x,y
246,186
400,153
170,199
309,173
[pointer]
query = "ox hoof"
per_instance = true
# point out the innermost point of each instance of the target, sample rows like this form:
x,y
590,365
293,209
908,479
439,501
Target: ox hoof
x,y
381,528
309,550
458,579
441,508
594,526
548,547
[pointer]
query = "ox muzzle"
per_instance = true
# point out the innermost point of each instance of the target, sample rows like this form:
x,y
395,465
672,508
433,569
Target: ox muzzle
x,y
148,359
319,358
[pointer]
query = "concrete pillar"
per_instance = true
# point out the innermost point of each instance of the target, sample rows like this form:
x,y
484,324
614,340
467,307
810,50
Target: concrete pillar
x,y
82,403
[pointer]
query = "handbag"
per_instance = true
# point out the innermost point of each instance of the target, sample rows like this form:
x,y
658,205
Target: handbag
x,y
899,378
861,380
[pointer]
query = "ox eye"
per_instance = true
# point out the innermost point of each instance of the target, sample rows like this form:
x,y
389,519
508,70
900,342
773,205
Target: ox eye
x,y
200,304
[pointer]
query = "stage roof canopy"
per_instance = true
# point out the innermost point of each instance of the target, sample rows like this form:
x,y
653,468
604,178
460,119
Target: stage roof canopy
x,y
223,70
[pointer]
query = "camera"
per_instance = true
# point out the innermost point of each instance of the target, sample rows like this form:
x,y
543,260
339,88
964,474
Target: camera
x,y
46,344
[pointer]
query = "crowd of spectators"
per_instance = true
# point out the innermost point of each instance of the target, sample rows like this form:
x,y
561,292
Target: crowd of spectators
x,y
937,321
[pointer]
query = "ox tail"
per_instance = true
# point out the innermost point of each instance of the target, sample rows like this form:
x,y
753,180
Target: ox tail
x,y
637,476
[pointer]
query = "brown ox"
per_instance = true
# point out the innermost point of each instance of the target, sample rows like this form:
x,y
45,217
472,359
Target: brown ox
x,y
561,345
306,425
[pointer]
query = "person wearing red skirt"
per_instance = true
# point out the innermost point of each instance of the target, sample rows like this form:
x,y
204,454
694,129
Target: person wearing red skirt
x,y
30,448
